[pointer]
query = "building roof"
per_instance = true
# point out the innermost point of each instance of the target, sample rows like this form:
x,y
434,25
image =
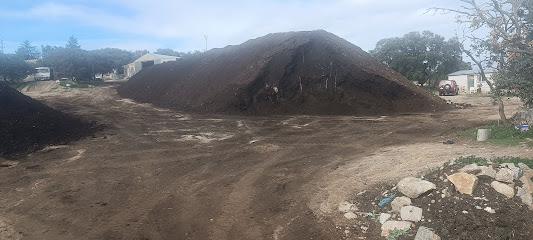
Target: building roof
x,y
153,56
471,72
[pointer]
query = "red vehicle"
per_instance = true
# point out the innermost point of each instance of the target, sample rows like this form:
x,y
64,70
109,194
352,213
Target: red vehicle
x,y
447,87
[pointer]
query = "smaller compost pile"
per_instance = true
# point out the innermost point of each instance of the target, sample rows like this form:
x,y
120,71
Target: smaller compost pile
x,y
27,125
313,72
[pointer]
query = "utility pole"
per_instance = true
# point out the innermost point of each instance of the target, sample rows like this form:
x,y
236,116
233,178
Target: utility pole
x,y
205,36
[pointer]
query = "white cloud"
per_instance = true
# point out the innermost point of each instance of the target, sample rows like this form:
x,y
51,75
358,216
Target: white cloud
x,y
362,22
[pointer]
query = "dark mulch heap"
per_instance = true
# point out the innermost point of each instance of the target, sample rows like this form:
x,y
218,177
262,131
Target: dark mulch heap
x,y
312,72
512,220
27,125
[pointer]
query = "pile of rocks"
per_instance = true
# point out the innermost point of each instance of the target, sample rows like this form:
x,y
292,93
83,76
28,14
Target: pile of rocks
x,y
503,180
464,192
411,187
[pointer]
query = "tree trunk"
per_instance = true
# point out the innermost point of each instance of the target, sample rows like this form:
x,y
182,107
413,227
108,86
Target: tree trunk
x,y
498,97
496,93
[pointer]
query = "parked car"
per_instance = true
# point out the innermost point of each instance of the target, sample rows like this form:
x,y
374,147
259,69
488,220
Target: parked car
x,y
447,87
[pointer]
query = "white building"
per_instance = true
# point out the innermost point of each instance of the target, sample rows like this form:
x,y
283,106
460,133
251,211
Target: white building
x,y
470,81
146,60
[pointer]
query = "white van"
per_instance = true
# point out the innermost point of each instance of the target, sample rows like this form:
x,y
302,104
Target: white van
x,y
43,73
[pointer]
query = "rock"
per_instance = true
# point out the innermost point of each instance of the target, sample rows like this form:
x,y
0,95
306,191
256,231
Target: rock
x,y
425,233
350,215
503,189
517,172
505,175
346,207
528,172
384,217
527,184
399,202
507,165
526,197
464,182
391,225
470,168
524,167
411,213
487,171
445,192
490,210
413,187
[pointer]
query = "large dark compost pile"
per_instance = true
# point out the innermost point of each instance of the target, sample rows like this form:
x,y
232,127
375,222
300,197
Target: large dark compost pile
x,y
283,73
27,125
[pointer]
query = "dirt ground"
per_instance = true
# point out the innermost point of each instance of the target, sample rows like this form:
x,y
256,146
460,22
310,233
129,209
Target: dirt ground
x,y
159,174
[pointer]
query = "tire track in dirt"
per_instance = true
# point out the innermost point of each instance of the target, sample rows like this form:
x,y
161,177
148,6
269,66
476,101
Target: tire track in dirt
x,y
234,211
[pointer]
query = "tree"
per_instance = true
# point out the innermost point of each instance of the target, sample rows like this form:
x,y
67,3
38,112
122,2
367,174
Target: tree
x,y
112,59
139,53
13,68
168,52
46,48
27,51
421,57
73,43
71,63
508,44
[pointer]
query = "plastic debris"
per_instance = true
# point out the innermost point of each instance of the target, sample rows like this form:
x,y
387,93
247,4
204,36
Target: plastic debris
x,y
522,127
448,142
386,200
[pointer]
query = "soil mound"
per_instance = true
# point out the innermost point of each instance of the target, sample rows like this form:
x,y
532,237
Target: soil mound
x,y
312,72
27,125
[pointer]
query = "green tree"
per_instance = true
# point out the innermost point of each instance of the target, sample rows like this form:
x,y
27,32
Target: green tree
x,y
13,68
73,43
112,59
46,48
139,53
27,51
421,57
499,32
71,63
170,52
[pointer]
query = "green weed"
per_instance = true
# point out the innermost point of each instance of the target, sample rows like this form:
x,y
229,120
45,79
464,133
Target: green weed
x,y
394,234
472,159
497,160
515,160
501,135
374,217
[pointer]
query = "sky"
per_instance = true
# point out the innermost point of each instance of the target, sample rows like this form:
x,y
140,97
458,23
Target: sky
x,y
184,25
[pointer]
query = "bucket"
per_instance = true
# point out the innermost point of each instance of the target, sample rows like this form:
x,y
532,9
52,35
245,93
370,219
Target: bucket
x,y
483,134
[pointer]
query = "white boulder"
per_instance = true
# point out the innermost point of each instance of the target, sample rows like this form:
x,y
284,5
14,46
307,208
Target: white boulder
x,y
413,187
